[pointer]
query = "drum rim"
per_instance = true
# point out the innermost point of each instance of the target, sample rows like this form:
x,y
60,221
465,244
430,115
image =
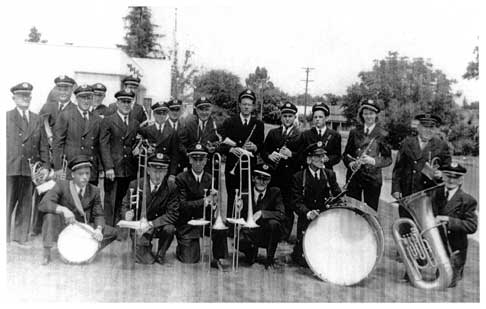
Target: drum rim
x,y
64,259
378,234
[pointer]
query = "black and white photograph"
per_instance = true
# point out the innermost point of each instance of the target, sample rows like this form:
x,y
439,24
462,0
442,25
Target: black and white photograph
x,y
241,151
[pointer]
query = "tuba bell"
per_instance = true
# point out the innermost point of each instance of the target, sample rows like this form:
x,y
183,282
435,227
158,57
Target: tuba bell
x,y
419,242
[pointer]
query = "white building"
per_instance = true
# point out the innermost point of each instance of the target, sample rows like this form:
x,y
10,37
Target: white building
x,y
39,64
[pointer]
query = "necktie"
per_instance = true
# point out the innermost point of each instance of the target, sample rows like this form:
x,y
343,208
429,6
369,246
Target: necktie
x,y
155,189
246,123
60,107
125,120
367,131
446,195
320,133
80,194
175,126
316,175
259,198
25,122
85,117
161,129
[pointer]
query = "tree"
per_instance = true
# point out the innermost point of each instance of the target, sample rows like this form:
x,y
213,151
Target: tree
x,y
34,35
221,87
472,70
141,38
403,88
183,77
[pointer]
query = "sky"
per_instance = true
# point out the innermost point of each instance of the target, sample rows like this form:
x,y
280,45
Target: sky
x,y
338,39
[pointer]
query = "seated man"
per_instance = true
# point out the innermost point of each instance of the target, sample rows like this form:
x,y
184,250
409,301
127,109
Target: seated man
x,y
310,189
191,186
458,210
74,200
268,213
162,211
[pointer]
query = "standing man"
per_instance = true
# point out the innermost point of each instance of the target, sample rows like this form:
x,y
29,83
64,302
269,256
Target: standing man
x,y
99,93
191,186
177,126
117,139
162,211
201,128
320,132
413,170
74,200
366,153
268,213
25,141
242,133
281,151
131,83
310,189
159,133
77,131
51,110
458,210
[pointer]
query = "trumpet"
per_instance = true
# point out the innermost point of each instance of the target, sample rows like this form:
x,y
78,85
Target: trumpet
x,y
245,165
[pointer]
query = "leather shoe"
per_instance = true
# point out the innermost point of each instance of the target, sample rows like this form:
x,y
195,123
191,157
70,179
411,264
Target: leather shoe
x,y
251,255
160,259
46,256
216,263
405,278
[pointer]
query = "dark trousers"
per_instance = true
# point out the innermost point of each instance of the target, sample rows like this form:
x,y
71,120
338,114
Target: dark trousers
x,y
114,193
266,236
289,214
365,191
38,215
53,224
19,192
302,224
189,249
164,233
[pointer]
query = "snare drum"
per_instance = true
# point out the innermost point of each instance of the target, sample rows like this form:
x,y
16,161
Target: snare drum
x,y
344,243
76,244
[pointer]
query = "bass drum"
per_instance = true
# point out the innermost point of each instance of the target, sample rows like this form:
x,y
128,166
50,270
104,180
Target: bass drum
x,y
344,243
76,244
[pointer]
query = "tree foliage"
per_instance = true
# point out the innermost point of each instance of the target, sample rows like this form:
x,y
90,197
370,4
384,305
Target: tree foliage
x,y
141,38
221,87
472,70
34,35
403,88
182,79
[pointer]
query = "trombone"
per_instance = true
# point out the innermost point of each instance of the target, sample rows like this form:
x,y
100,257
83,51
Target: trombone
x,y
243,192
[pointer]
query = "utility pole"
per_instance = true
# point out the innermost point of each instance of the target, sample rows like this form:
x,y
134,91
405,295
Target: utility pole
x,y
174,79
307,70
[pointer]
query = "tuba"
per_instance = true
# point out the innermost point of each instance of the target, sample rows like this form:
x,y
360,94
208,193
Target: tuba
x,y
419,242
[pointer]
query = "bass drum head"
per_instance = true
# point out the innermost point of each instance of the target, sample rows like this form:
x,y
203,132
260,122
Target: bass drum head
x,y
341,247
76,245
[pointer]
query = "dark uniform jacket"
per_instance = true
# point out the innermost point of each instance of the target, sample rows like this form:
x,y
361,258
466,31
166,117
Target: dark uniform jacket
x,y
234,129
379,150
60,194
116,143
310,194
24,143
166,142
286,168
407,177
137,111
162,205
271,205
50,110
191,196
331,141
72,138
192,133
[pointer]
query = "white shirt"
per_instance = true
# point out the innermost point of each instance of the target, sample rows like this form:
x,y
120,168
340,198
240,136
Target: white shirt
x,y
256,194
21,113
160,127
122,117
80,190
370,128
81,112
451,193
421,143
321,131
245,118
286,131
62,105
198,177
173,124
315,174
153,186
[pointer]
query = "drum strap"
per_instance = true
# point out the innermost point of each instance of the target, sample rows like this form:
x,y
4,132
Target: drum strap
x,y
77,201
48,130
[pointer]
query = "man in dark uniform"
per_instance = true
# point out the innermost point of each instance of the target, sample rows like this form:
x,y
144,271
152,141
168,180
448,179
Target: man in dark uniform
x,y
192,186
162,136
131,83
99,93
25,141
117,139
201,128
77,131
366,166
50,111
269,213
242,133
413,170
310,189
281,150
162,211
459,211
177,126
320,132
61,207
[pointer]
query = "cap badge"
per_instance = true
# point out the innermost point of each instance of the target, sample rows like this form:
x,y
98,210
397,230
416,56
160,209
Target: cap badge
x,y
287,105
427,115
62,76
198,147
203,98
25,85
265,167
454,164
319,144
160,156
248,91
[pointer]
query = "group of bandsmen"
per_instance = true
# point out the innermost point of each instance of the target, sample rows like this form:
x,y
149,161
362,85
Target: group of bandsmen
x,y
292,170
